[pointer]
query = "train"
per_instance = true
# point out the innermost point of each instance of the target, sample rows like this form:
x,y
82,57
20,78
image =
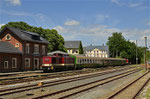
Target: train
x,y
58,60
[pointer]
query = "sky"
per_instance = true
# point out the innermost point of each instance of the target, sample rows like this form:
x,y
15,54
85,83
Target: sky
x,y
91,21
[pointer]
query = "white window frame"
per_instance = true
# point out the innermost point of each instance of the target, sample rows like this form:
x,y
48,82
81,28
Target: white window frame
x,y
4,64
9,36
36,45
15,62
27,48
43,49
17,45
29,62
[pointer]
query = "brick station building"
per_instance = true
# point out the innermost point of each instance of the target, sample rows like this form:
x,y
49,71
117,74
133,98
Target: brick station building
x,y
21,50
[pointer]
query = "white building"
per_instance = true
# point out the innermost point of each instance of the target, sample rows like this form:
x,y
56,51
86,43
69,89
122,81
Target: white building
x,y
96,51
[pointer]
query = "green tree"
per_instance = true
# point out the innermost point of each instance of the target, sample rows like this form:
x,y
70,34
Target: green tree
x,y
56,40
120,47
80,48
116,44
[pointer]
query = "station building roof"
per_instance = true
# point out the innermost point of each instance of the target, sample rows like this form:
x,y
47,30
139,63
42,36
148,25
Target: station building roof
x,y
26,35
6,47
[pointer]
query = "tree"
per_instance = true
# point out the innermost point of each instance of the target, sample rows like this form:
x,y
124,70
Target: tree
x,y
56,40
116,44
80,48
120,47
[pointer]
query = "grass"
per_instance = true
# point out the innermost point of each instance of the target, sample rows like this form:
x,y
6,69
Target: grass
x,y
148,94
143,71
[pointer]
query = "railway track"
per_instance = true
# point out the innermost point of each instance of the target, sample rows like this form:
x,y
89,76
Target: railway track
x,y
12,80
65,93
132,90
41,76
52,83
18,73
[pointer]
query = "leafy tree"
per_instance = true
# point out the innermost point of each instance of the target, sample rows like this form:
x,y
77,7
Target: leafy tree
x,y
120,47
56,40
124,54
116,44
80,48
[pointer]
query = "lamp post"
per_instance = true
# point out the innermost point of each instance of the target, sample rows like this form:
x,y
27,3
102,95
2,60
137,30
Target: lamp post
x,y
145,53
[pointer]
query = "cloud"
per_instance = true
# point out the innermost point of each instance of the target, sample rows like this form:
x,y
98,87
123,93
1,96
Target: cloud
x,y
1,25
135,4
94,33
148,23
36,18
116,2
72,23
127,3
101,17
98,34
14,2
61,29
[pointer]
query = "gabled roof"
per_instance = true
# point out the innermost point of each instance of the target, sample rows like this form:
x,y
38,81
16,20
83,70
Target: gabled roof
x,y
72,44
26,35
90,48
6,47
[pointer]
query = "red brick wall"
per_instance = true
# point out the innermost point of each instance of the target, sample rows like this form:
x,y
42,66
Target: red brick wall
x,y
8,57
32,48
13,39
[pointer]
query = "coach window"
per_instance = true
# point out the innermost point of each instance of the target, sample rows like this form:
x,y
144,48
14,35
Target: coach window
x,y
78,60
14,62
5,64
27,62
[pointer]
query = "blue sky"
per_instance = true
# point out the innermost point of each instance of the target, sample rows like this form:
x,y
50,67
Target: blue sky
x,y
91,21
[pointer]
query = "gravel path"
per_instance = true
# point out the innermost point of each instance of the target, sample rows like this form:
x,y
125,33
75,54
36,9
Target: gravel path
x,y
132,90
33,93
103,91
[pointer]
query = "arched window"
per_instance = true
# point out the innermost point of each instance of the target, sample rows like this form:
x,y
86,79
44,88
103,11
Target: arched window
x,y
8,37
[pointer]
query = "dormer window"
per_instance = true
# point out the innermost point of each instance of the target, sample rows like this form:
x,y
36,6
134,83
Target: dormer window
x,y
8,37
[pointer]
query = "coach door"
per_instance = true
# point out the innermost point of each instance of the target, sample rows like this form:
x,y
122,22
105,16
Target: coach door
x,y
36,63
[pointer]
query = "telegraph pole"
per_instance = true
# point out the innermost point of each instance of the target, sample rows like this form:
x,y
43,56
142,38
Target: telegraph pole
x,y
136,54
145,53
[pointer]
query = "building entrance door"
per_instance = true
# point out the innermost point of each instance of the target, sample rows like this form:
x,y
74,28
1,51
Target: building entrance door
x,y
36,63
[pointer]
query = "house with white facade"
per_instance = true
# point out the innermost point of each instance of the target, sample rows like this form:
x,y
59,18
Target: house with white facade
x,y
96,51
